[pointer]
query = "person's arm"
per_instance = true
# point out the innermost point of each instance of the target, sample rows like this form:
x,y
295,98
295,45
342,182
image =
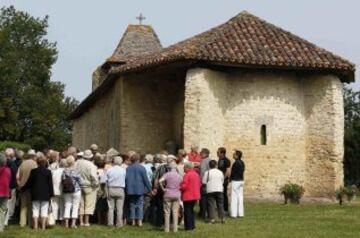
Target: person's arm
x,y
227,172
185,183
29,182
18,176
146,180
94,177
205,178
51,186
161,183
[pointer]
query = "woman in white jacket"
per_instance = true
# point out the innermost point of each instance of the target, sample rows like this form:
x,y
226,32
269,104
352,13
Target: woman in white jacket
x,y
214,179
57,205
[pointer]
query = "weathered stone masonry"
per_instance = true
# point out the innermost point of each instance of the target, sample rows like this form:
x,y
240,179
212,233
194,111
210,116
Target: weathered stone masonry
x,y
299,112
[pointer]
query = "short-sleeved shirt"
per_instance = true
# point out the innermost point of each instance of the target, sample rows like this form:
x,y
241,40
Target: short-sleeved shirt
x,y
115,177
75,177
173,181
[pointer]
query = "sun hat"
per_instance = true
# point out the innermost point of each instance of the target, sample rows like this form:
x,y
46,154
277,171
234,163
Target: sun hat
x,y
88,154
31,152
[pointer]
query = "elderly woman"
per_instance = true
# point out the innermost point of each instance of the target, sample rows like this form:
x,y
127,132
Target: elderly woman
x,y
170,184
137,184
190,188
114,179
213,179
57,204
5,177
71,191
41,189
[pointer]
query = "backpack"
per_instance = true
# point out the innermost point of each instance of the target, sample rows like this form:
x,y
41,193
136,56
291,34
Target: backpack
x,y
68,185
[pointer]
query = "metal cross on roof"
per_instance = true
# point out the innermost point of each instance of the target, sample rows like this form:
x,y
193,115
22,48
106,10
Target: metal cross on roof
x,y
140,18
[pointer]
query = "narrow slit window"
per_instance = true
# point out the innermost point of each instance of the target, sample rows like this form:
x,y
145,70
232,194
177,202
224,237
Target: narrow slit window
x,y
263,134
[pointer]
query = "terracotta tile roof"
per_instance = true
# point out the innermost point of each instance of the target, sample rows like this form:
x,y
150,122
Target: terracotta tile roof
x,y
245,40
138,40
250,41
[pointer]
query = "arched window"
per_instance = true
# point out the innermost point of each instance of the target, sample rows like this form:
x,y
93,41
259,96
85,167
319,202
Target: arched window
x,y
263,135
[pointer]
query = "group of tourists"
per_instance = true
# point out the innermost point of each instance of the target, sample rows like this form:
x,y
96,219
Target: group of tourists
x,y
75,188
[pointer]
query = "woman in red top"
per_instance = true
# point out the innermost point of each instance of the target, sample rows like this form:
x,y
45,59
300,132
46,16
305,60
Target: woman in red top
x,y
5,176
195,157
190,188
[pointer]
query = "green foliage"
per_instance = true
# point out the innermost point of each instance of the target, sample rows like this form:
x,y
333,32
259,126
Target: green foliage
x,y
352,137
349,192
12,144
292,192
33,108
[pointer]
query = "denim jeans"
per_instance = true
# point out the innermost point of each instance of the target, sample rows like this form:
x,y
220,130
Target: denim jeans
x,y
136,207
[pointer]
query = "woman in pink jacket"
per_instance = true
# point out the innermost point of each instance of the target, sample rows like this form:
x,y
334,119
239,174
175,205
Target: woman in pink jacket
x,y
190,189
5,176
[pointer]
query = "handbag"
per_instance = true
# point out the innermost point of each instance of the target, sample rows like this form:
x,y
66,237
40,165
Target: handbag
x,y
51,218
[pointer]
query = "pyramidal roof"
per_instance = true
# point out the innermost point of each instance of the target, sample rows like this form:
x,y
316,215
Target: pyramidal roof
x,y
245,40
137,40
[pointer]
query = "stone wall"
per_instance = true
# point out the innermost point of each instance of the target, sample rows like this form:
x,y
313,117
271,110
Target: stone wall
x,y
151,111
100,124
325,133
303,115
228,109
138,113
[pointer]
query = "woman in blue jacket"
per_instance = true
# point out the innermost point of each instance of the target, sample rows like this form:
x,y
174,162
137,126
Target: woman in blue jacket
x,y
137,184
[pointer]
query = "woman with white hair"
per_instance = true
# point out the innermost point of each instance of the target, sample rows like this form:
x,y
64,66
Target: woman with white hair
x,y
71,183
5,177
114,178
57,201
190,189
170,184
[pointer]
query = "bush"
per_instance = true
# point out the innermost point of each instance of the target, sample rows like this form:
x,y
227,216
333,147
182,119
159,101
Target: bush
x,y
349,192
292,192
12,144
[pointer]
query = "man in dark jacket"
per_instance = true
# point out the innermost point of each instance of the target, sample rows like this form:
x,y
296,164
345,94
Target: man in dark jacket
x,y
224,165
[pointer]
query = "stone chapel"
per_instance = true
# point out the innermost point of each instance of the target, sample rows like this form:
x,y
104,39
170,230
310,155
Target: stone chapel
x,y
245,84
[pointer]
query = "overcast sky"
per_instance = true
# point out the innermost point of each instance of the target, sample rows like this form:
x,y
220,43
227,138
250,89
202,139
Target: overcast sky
x,y
87,31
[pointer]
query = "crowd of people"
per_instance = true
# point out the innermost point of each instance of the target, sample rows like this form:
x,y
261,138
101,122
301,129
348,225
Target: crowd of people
x,y
75,188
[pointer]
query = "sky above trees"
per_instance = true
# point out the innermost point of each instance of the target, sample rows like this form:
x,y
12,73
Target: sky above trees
x,y
87,32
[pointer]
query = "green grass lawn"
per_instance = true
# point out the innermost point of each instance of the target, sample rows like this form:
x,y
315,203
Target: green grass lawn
x,y
261,220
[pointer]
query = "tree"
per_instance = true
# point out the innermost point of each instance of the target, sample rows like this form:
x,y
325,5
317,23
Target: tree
x,y
352,137
33,108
